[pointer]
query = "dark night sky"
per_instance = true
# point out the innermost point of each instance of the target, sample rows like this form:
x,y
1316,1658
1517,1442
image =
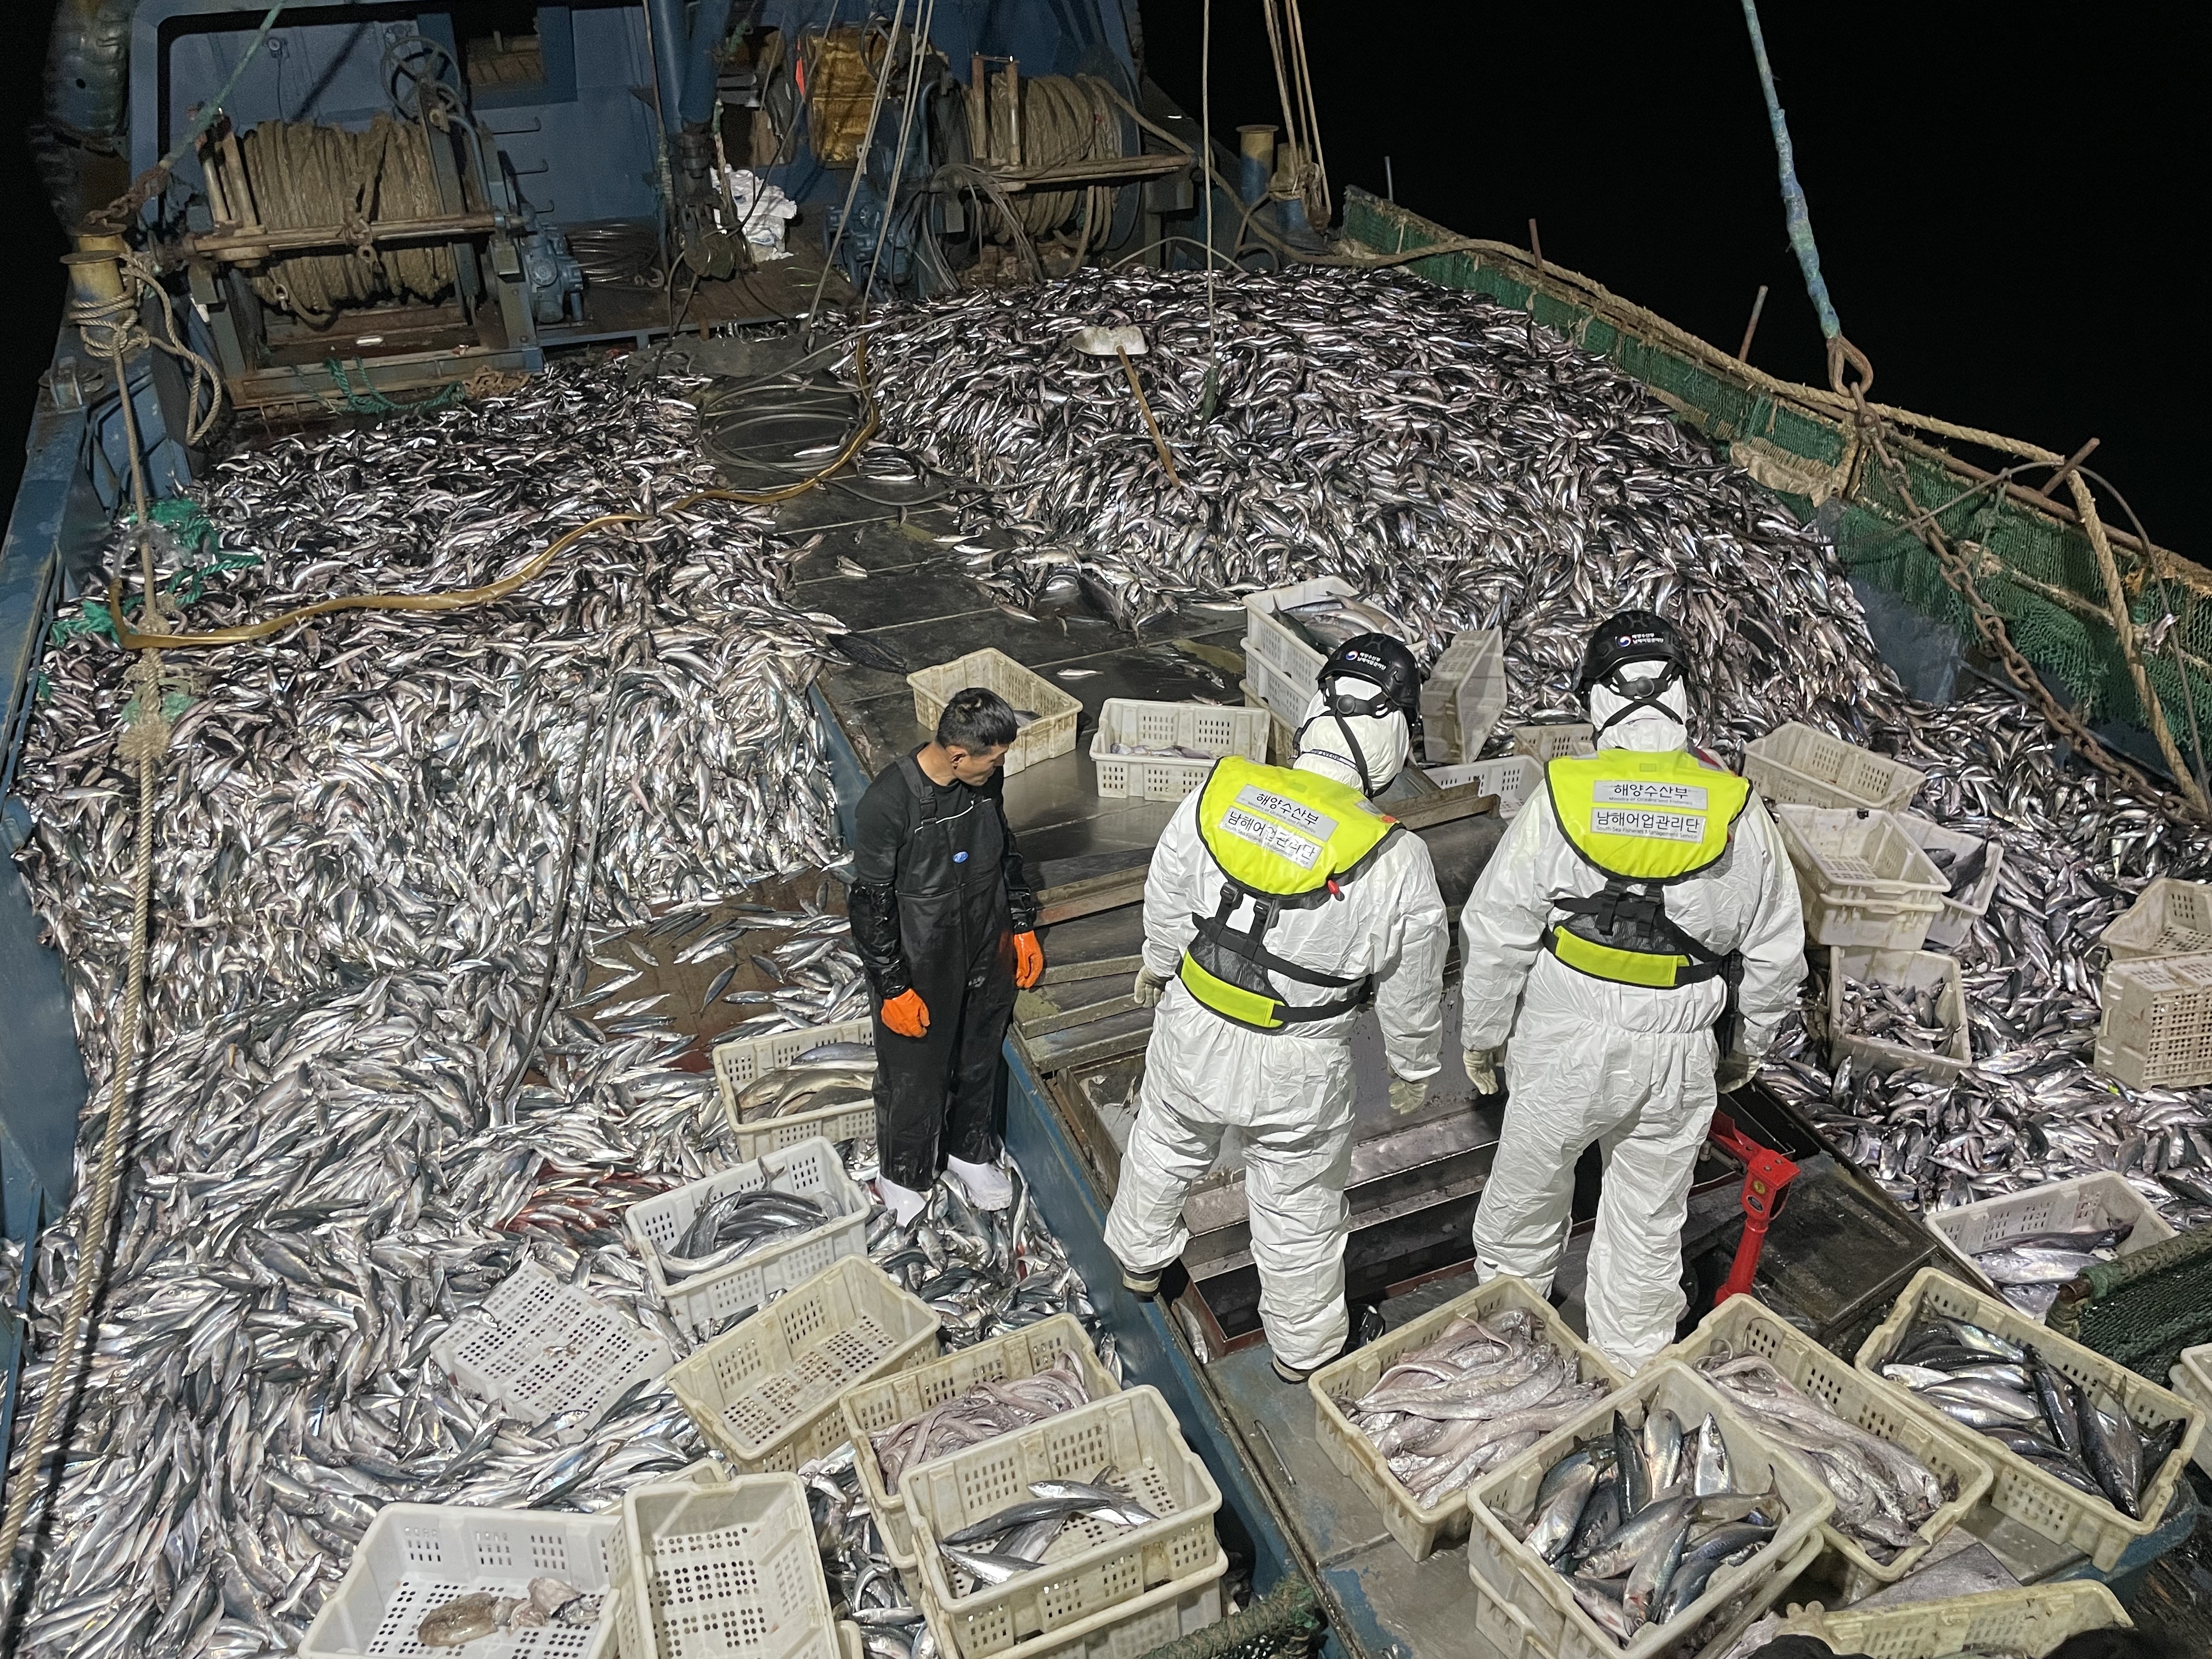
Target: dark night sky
x,y
2001,195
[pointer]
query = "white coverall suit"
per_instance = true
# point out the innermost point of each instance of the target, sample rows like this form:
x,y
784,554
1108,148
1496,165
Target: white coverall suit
x,y
1628,1067
1288,1093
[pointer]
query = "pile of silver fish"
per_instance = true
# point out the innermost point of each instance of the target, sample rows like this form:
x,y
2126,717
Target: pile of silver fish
x,y
1484,1392
1883,1493
389,847
1003,1546
1639,1522
1462,467
2011,1393
1902,1014
2030,1269
546,1601
736,1225
993,1407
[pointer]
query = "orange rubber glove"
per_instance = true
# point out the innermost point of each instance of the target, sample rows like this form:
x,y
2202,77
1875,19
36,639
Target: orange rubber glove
x,y
907,1013
1028,961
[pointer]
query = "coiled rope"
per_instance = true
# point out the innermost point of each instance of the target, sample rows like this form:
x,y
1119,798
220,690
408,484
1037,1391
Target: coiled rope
x,y
304,176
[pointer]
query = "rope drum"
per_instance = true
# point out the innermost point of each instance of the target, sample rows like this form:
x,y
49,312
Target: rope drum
x,y
305,176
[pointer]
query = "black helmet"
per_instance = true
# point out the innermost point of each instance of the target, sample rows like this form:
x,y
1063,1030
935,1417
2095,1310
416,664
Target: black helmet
x,y
1385,664
1632,636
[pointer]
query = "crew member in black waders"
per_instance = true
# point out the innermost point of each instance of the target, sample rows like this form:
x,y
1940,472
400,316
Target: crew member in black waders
x,y
946,923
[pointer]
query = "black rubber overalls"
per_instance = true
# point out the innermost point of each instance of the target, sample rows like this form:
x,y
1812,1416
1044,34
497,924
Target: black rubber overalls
x,y
942,924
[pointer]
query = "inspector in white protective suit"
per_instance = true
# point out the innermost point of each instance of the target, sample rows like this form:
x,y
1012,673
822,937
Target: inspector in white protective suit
x,y
1603,938
1278,899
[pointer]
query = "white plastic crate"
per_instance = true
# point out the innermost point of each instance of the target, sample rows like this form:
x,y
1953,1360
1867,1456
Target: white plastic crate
x,y
1278,693
1127,1630
1919,970
869,1408
415,1557
1507,1633
2192,1380
2039,1501
1498,1505
2102,1199
1463,696
1550,740
743,1060
701,1302
1053,731
1512,778
765,1395
1743,1325
1211,727
1422,1532
1276,640
1862,879
722,1571
1797,764
1961,912
542,1348
1092,1567
2156,1032
2169,917
2032,1620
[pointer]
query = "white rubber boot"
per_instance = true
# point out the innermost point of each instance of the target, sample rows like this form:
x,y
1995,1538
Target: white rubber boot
x,y
988,1185
903,1202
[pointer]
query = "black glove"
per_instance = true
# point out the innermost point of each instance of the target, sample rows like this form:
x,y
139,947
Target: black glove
x,y
872,908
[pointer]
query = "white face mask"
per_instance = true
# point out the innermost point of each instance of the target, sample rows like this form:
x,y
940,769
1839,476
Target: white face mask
x,y
1648,730
1384,743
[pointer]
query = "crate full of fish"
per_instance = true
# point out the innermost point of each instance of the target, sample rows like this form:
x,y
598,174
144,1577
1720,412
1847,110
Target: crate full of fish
x,y
1125,1630
1863,881
779,1090
1546,741
1798,765
2169,917
1022,1536
2030,1621
506,1584
1416,1414
544,1348
1900,1482
1162,751
2156,1030
1512,778
1893,1010
1625,1529
723,1569
1508,1633
1971,865
2028,1243
2086,1452
1463,696
2191,1377
764,1395
968,1396
721,1246
1047,715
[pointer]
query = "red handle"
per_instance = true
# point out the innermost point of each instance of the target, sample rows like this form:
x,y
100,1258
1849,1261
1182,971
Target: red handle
x,y
1765,1174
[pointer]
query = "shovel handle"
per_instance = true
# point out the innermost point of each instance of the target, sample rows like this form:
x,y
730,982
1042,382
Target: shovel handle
x,y
1145,409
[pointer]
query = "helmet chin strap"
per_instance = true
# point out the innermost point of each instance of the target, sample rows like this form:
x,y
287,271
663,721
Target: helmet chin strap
x,y
1653,699
1358,755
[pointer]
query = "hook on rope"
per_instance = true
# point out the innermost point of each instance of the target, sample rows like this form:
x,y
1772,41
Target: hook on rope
x,y
1843,355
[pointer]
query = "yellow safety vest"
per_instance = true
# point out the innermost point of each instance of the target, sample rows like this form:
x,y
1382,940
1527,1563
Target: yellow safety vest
x,y
1642,820
1285,840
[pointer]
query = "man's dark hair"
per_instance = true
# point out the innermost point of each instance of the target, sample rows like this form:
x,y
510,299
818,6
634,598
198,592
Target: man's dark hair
x,y
977,719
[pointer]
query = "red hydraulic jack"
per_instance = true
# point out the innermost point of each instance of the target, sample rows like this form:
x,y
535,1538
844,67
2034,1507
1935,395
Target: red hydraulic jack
x,y
1765,1173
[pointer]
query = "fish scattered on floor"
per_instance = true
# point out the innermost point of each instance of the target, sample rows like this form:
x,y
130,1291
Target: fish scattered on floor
x,y
2013,1394
1883,1493
1484,1391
